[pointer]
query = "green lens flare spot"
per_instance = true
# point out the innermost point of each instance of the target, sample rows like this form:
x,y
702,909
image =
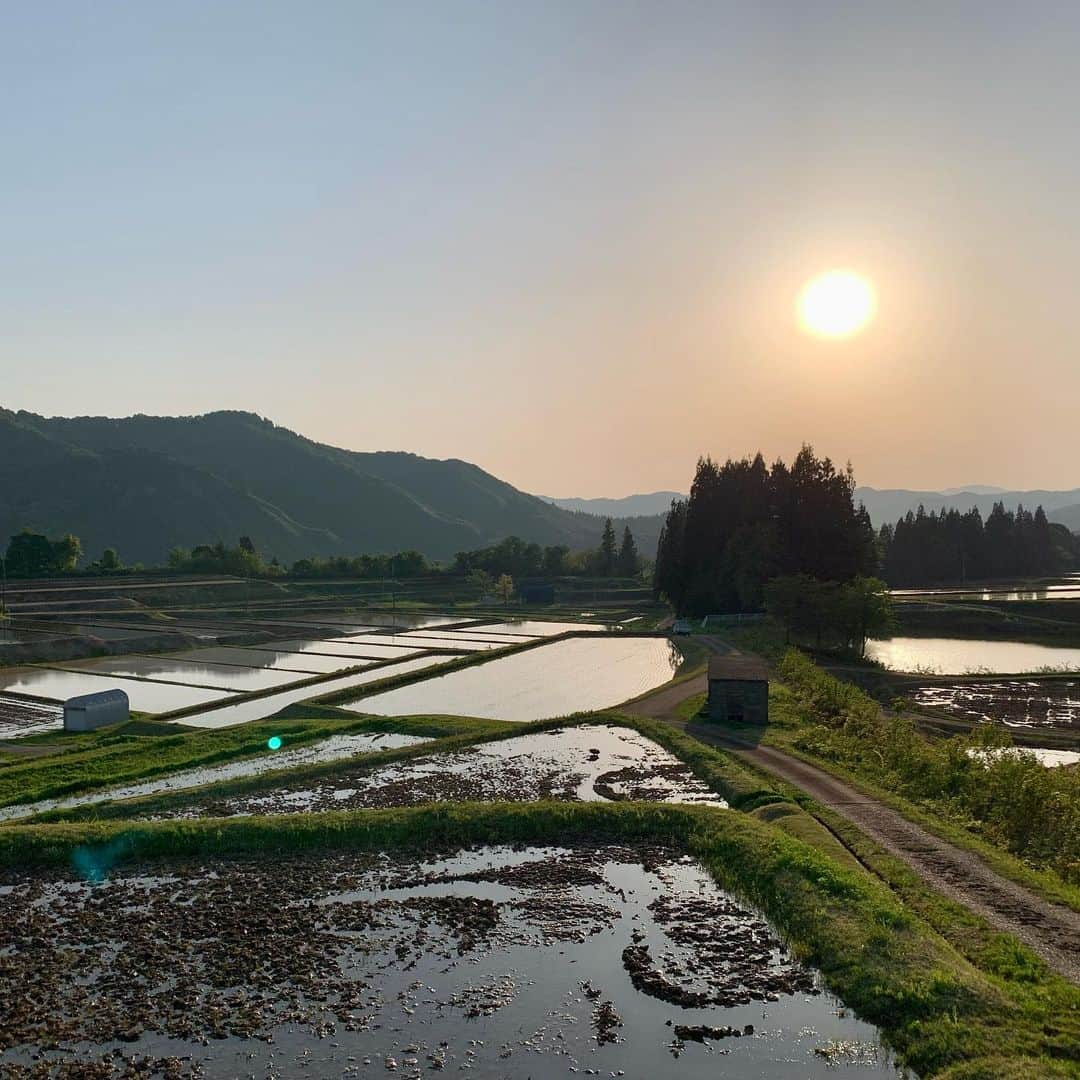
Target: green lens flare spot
x,y
274,742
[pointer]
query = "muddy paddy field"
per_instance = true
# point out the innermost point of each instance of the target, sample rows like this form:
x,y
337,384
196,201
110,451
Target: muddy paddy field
x,y
595,762
592,959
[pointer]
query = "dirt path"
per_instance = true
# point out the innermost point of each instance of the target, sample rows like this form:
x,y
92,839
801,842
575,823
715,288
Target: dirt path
x,y
1048,929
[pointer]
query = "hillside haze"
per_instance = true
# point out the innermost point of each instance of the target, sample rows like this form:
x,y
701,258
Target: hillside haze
x,y
145,484
654,502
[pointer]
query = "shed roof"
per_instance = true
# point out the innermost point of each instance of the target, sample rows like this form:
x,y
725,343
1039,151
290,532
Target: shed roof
x,y
102,697
737,667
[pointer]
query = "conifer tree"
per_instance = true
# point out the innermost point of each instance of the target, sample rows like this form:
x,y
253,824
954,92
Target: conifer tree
x,y
608,556
627,563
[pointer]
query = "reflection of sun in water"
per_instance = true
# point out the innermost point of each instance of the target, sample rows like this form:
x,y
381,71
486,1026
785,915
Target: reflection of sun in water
x,y
836,305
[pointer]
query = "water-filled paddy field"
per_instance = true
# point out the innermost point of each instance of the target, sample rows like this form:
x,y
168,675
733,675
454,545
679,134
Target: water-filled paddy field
x,y
965,656
255,709
531,628
1063,588
20,716
1052,759
333,748
358,647
152,697
498,962
262,656
231,677
569,676
587,763
1014,702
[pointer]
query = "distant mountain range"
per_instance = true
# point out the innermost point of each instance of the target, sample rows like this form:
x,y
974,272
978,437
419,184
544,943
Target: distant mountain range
x,y
146,484
888,505
657,502
884,504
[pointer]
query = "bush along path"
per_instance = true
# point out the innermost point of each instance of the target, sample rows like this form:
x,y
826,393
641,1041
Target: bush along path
x,y
1050,930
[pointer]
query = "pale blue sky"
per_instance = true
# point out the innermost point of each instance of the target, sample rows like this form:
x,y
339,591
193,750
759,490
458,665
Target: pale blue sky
x,y
561,240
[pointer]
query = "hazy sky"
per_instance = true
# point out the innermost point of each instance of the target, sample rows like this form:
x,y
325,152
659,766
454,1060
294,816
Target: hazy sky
x,y
563,241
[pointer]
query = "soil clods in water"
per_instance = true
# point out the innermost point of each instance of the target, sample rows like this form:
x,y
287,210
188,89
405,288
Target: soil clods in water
x,y
498,962
587,763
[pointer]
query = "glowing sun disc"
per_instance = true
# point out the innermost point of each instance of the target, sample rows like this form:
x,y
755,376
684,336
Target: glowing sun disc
x,y
836,305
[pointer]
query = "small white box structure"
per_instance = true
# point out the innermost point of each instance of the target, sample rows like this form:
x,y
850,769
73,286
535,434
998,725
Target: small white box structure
x,y
91,711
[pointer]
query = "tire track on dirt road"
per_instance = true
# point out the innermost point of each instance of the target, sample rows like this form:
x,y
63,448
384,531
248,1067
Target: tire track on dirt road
x,y
1050,930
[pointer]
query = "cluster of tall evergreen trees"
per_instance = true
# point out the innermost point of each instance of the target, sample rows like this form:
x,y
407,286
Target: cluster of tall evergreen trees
x,y
923,548
746,523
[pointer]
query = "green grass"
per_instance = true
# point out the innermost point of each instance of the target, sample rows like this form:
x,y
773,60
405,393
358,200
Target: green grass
x,y
1021,818
944,1017
137,752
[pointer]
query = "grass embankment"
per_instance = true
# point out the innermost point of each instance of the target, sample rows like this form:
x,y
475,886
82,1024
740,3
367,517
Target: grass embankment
x,y
1049,622
943,1016
1022,817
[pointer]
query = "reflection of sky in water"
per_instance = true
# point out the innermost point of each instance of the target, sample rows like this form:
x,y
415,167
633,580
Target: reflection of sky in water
x,y
144,696
509,1001
554,680
146,667
1065,588
1052,759
1017,703
517,769
964,656
333,748
245,711
360,646
309,663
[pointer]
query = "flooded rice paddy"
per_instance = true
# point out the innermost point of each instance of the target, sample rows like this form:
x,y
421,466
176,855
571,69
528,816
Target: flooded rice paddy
x,y
334,748
19,716
151,697
587,763
262,656
1015,703
1052,759
542,962
533,627
231,677
1063,588
360,647
969,656
466,636
569,676
255,709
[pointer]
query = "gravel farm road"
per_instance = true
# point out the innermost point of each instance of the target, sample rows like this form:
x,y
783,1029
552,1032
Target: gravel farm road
x,y
1051,930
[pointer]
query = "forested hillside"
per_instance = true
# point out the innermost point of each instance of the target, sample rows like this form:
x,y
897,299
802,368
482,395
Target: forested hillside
x,y
146,484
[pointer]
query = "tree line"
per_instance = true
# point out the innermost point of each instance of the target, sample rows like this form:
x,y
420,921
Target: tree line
x,y
522,559
923,548
32,554
745,524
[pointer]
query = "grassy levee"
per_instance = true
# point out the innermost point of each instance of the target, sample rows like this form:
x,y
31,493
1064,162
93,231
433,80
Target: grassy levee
x,y
1037,621
943,1017
1021,818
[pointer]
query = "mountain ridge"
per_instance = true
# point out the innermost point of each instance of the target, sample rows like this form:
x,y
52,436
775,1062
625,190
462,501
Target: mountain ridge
x,y
647,503
144,484
887,505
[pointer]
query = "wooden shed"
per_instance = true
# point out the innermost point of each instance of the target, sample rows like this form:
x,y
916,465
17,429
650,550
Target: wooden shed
x,y
738,689
91,711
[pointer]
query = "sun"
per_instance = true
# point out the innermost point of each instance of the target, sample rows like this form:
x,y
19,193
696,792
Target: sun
x,y
836,305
